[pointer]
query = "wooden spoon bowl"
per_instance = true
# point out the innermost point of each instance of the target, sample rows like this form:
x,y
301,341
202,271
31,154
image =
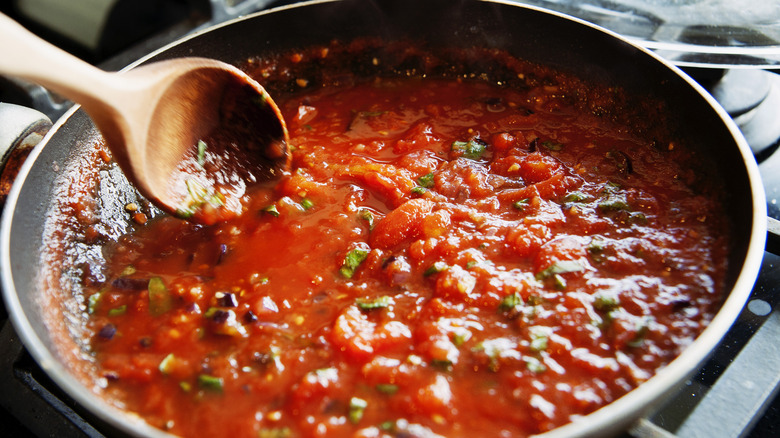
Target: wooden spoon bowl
x,y
191,134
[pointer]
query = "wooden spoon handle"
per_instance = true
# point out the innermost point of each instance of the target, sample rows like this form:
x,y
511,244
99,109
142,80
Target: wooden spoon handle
x,y
25,55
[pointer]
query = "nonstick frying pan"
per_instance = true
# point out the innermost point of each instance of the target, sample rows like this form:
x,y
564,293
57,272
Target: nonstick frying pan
x,y
46,315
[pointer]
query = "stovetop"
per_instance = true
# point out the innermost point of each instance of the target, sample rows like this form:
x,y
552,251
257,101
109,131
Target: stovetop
x,y
733,394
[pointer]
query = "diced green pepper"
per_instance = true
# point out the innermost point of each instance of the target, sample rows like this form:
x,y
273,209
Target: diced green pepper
x,y
275,432
512,301
613,202
121,310
166,365
426,180
472,149
272,210
352,261
539,338
201,153
552,145
553,273
642,328
210,383
93,301
387,388
198,196
596,245
575,197
367,216
561,267
521,204
435,269
460,338
605,300
377,303
160,299
534,365
306,203
357,407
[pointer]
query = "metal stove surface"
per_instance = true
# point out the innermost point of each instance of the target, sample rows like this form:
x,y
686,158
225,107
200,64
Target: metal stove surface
x,y
733,395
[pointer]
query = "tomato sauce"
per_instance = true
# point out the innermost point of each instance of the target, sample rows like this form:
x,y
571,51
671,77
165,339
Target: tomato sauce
x,y
446,257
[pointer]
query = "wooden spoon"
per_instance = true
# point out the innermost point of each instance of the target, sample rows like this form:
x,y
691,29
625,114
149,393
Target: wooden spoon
x,y
191,134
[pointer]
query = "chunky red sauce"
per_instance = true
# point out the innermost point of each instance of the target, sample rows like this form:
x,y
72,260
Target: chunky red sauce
x,y
446,258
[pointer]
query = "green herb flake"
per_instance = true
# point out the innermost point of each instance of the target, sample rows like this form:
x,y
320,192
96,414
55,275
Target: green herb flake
x,y
357,407
387,426
160,299
494,350
184,213
117,311
306,204
418,190
552,145
520,205
637,218
553,273
596,245
534,365
511,302
442,364
539,343
539,338
387,388
352,261
275,432
185,386
201,153
605,301
559,282
196,191
472,149
613,202
612,198
642,328
166,365
382,302
197,197
367,216
435,268
93,301
426,181
460,338
210,383
575,197
560,267
272,210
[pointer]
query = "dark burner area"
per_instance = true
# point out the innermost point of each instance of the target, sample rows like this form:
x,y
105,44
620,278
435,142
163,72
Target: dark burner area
x,y
733,394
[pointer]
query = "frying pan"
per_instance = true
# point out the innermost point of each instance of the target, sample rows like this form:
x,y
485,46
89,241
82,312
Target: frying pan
x,y
46,312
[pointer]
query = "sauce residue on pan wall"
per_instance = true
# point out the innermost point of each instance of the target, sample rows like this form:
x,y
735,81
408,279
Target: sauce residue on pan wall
x,y
450,255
